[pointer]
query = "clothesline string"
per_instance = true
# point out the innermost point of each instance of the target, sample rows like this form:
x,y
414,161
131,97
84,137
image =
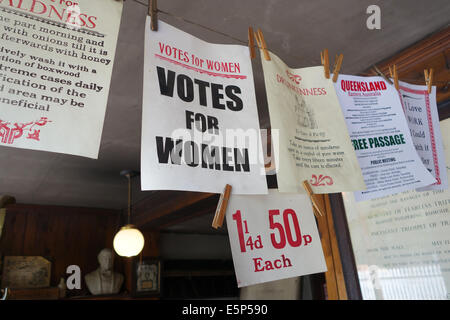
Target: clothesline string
x,y
246,42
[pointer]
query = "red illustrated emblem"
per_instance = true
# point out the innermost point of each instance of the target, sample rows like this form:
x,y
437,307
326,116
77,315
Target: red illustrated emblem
x,y
321,180
294,77
9,133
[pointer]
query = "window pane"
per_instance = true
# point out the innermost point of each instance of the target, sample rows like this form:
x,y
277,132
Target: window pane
x,y
402,242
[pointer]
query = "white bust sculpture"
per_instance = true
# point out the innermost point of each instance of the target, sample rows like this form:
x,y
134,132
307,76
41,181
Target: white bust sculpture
x,y
104,280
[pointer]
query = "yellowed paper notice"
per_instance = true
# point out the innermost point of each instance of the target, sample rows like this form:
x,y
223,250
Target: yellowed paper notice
x,y
313,142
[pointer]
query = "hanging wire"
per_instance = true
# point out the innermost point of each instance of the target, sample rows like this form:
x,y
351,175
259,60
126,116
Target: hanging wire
x,y
202,26
413,81
194,23
129,197
245,42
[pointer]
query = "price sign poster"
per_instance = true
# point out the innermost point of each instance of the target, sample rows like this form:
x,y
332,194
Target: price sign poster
x,y
313,142
56,60
200,126
423,122
273,237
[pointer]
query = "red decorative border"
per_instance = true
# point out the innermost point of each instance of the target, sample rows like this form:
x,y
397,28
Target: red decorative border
x,y
9,132
430,124
321,180
215,74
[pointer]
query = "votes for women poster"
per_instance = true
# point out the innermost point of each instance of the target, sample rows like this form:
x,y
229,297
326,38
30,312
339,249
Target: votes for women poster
x,y
200,126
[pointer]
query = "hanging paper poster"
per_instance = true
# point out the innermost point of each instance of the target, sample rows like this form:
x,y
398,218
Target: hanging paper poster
x,y
380,136
401,242
273,237
200,126
423,120
56,60
313,142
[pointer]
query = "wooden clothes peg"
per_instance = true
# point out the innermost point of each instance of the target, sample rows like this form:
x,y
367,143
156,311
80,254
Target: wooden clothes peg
x,y
262,44
221,207
153,13
325,59
429,78
337,66
312,197
393,73
325,62
256,36
251,43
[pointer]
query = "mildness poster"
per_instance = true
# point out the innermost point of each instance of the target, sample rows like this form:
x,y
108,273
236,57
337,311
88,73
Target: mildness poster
x,y
200,126
313,142
55,70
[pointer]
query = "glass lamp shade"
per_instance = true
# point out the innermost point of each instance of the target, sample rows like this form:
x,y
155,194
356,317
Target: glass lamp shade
x,y
128,242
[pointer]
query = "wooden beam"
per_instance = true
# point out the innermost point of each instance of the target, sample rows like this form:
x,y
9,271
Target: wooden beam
x,y
419,52
431,52
50,209
334,276
346,252
330,279
162,203
204,207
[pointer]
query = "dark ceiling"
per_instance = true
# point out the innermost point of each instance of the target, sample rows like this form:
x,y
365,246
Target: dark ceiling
x,y
295,30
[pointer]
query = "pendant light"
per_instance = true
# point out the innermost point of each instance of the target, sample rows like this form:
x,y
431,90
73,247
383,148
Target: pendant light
x,y
129,241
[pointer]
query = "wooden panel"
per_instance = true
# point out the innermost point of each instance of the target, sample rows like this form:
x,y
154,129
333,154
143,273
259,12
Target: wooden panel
x,y
151,246
113,297
34,294
127,269
64,235
2,219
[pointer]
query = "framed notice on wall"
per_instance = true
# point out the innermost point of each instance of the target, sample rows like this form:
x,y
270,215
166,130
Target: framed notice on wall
x,y
146,277
26,272
402,242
